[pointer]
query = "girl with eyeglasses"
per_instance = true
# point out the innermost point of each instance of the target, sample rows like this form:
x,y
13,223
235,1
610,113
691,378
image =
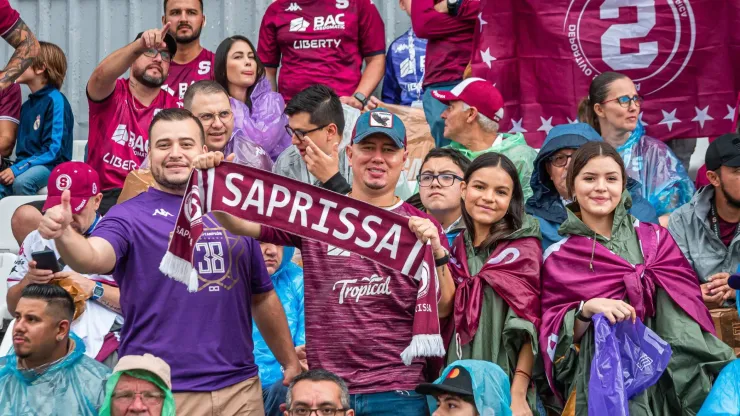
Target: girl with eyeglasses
x,y
258,111
495,263
613,107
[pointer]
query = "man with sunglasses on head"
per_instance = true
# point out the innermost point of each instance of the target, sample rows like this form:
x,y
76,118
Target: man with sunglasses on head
x,y
316,123
122,109
548,181
471,120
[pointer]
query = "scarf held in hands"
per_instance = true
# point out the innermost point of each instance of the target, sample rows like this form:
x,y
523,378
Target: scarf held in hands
x,y
317,214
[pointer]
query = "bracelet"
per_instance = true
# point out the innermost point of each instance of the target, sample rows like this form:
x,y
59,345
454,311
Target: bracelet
x,y
522,372
582,318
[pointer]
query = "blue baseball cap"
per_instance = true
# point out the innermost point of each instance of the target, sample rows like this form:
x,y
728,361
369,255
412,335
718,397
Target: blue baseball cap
x,y
380,121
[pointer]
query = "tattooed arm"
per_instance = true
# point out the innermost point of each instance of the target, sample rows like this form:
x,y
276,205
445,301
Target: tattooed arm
x,y
26,47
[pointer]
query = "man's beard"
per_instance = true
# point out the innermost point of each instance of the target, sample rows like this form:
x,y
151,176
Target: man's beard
x,y
189,39
161,179
733,202
148,80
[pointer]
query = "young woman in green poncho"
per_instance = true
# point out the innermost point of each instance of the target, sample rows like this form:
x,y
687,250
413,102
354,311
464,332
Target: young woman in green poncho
x,y
496,265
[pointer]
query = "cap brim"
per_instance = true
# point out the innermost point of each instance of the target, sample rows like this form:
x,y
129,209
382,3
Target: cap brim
x,y
733,163
431,389
77,204
445,96
371,131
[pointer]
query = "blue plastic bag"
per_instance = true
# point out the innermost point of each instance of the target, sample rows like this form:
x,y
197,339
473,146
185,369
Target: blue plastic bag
x,y
724,399
629,358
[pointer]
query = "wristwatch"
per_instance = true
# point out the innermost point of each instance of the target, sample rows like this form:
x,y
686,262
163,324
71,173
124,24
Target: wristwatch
x,y
452,6
97,291
442,260
361,98
579,314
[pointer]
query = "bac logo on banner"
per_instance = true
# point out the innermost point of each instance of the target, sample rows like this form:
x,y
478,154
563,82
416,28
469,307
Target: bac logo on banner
x,y
651,41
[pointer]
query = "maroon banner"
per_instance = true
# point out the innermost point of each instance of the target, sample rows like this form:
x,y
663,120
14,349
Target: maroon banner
x,y
683,55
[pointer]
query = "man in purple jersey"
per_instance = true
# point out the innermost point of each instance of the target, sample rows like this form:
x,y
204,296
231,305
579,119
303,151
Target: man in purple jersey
x,y
359,314
206,337
192,62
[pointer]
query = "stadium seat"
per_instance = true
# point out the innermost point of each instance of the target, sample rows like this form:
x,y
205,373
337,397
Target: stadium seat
x,y
8,205
7,260
79,150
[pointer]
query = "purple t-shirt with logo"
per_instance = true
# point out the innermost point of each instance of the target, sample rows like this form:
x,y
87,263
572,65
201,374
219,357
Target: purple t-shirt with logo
x,y
205,337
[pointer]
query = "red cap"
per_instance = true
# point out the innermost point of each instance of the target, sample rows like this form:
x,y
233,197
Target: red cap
x,y
478,93
81,180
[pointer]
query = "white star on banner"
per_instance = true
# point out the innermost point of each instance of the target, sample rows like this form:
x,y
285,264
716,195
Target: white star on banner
x,y
572,121
669,119
486,57
702,116
730,113
641,120
546,125
482,22
517,126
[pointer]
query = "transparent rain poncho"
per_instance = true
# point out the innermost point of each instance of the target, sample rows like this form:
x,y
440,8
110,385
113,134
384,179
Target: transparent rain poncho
x,y
73,386
665,182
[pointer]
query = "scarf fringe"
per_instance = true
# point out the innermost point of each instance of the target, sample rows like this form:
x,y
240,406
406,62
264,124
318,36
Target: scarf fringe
x,y
179,270
424,345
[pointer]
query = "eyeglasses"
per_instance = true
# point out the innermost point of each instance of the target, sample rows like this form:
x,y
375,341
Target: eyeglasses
x,y
443,179
151,398
625,100
152,53
324,411
208,118
560,161
300,134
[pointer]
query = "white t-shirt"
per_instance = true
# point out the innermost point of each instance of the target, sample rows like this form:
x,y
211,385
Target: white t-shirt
x,y
95,323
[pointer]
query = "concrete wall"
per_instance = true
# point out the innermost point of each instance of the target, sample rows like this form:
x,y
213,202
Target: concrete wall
x,y
89,30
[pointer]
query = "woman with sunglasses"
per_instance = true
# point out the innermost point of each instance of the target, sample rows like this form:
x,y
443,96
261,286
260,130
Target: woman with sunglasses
x,y
612,107
495,263
258,111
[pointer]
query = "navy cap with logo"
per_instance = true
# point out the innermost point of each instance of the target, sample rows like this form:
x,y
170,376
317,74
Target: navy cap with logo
x,y
380,121
457,382
725,151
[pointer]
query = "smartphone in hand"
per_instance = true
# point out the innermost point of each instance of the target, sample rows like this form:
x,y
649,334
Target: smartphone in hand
x,y
46,260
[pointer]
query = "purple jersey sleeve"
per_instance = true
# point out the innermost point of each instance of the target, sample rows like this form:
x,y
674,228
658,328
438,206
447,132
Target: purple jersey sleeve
x,y
114,229
372,30
259,277
280,238
10,104
268,49
8,17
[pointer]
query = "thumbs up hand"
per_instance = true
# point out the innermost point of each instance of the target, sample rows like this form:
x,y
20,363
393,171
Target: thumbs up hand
x,y
56,219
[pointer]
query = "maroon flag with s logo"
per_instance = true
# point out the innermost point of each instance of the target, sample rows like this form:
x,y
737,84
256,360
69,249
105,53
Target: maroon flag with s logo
x,y
683,55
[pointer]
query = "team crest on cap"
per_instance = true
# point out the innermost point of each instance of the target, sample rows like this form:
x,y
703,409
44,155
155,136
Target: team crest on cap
x,y
381,119
64,182
95,188
454,373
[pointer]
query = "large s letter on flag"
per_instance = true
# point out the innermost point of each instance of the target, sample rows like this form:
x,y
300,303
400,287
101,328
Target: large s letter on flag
x,y
683,55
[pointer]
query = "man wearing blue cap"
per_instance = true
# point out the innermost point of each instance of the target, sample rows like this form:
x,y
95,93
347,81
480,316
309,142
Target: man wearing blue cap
x,y
370,307
548,181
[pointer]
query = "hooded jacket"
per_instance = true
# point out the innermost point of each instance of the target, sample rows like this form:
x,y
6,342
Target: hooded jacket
x,y
288,283
691,228
546,204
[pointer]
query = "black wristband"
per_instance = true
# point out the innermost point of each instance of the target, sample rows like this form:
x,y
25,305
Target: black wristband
x,y
442,260
582,318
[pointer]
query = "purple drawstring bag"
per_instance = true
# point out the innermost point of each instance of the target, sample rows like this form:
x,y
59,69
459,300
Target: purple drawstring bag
x,y
629,358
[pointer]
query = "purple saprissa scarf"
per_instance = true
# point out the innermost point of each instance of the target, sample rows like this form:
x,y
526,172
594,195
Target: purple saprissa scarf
x,y
314,213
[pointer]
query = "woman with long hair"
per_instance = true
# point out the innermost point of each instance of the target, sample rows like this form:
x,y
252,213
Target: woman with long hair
x,y
495,262
611,263
258,111
612,107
